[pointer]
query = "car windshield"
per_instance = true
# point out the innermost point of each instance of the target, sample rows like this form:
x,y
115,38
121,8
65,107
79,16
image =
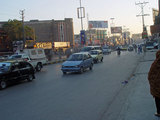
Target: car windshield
x,y
85,49
93,52
149,44
75,57
97,48
106,47
4,67
15,56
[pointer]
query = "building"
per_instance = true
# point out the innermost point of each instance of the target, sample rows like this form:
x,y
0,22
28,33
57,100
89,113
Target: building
x,y
53,30
50,31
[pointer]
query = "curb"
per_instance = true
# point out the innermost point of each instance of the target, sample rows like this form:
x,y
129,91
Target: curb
x,y
55,61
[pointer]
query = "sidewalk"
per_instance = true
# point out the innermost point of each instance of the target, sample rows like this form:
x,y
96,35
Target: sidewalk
x,y
140,104
57,59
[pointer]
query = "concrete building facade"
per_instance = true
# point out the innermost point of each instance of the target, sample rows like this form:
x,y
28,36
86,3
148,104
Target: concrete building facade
x,y
53,30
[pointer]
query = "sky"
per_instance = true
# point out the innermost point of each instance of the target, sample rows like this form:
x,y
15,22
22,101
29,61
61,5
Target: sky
x,y
123,11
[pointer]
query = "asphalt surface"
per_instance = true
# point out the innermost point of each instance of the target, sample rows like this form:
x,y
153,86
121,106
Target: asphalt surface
x,y
99,94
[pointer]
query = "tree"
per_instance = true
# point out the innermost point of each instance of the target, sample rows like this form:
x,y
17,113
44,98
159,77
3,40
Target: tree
x,y
14,30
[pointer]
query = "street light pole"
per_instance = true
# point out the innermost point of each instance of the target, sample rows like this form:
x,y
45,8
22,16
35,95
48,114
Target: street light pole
x,y
81,15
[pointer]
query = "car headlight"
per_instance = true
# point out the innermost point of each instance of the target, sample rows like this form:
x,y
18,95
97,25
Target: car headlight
x,y
62,66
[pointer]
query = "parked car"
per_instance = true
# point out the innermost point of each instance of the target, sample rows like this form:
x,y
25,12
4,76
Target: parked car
x,y
14,71
106,50
97,55
77,62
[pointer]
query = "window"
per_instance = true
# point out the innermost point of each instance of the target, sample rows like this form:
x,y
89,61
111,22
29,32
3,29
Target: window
x,y
40,52
33,52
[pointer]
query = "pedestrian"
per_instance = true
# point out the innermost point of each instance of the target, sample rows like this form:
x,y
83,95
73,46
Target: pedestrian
x,y
154,81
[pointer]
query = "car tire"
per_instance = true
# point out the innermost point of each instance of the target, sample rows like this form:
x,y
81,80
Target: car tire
x,y
30,78
64,73
91,67
81,70
38,67
3,84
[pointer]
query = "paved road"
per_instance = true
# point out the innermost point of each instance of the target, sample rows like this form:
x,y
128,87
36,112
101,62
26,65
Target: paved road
x,y
93,95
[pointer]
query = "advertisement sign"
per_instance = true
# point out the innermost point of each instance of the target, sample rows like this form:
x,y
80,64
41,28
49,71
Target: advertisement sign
x,y
44,45
61,44
116,30
83,37
98,24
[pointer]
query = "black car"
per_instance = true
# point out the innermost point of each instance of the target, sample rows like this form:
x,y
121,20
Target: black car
x,y
14,71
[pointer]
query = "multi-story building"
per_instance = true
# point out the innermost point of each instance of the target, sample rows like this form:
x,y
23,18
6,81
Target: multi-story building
x,y
53,30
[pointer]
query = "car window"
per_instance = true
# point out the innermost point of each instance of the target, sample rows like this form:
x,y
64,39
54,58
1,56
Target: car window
x,y
4,66
94,52
89,56
15,66
75,57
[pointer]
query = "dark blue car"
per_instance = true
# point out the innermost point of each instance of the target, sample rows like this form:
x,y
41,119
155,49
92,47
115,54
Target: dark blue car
x,y
77,62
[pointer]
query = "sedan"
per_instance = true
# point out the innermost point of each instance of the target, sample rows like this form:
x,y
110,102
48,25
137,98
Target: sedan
x,y
14,71
77,62
97,55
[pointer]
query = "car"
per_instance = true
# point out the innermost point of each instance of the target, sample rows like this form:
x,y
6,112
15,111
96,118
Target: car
x,y
87,48
149,45
2,58
14,71
97,48
77,62
18,56
106,50
130,48
97,55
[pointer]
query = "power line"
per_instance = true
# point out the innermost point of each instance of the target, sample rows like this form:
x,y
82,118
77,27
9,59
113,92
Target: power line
x,y
142,5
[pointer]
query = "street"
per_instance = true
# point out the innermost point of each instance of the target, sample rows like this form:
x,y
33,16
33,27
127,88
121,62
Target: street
x,y
93,95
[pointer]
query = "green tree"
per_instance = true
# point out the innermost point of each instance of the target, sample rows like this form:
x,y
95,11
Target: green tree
x,y
14,30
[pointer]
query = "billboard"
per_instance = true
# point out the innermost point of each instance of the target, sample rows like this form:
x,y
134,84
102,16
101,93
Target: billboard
x,y
116,30
98,24
83,37
44,45
61,44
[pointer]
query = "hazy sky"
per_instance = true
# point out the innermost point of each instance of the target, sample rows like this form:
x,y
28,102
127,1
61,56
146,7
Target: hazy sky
x,y
124,11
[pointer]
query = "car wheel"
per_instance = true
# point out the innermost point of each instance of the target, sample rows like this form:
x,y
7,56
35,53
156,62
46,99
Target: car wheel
x,y
30,78
3,84
64,73
81,70
91,67
38,68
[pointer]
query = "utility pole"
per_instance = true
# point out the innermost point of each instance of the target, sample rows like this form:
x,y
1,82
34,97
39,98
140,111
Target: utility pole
x,y
81,15
22,17
142,5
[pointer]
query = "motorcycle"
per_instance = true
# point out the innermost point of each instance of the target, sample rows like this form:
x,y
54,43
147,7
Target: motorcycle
x,y
118,52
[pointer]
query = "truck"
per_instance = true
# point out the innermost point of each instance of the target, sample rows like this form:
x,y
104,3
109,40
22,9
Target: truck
x,y
36,57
